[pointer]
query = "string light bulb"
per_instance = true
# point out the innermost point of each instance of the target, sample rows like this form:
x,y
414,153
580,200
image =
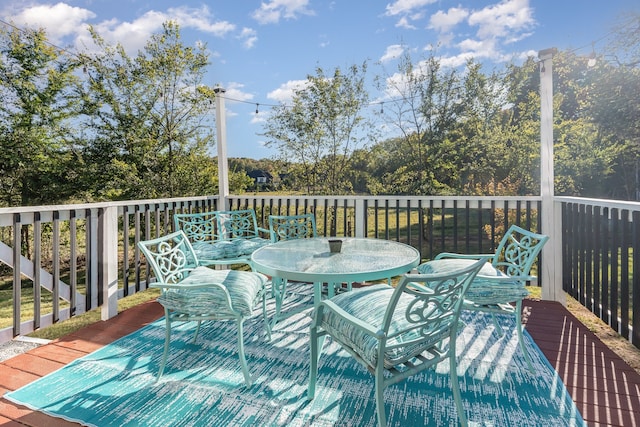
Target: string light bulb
x,y
257,105
592,58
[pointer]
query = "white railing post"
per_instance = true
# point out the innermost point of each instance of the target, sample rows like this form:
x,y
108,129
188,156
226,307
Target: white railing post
x,y
221,144
360,216
550,219
108,260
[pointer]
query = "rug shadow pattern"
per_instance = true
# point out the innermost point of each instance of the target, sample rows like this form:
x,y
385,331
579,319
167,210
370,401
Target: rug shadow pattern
x,y
204,386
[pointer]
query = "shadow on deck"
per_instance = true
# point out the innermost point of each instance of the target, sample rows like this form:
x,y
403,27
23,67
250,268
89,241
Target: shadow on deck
x,y
605,389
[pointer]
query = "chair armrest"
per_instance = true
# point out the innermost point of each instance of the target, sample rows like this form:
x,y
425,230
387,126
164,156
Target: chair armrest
x,y
187,286
506,278
365,327
195,286
264,230
463,256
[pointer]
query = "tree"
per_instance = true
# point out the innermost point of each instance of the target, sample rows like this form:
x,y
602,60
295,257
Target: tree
x,y
615,107
151,118
38,158
322,128
424,107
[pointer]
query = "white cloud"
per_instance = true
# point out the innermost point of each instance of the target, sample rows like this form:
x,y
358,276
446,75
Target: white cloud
x,y
200,19
234,91
62,20
392,52
404,23
284,94
59,20
502,19
259,118
404,7
249,37
134,35
274,10
408,11
445,21
456,60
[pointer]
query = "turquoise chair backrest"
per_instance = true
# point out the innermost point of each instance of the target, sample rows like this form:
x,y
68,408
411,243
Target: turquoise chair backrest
x,y
240,224
288,227
198,227
171,257
434,311
517,251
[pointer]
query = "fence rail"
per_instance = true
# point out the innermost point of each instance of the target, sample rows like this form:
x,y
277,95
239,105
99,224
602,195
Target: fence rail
x,y
85,256
54,263
601,260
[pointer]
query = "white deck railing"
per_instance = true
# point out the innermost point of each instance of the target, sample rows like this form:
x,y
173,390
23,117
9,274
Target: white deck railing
x,y
76,253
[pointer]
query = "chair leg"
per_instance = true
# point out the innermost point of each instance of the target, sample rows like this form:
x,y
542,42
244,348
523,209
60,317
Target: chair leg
x,y
497,325
379,390
523,347
455,385
167,339
313,369
195,336
278,290
243,360
265,318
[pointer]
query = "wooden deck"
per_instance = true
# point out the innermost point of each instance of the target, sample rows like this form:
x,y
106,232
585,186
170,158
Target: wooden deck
x,y
606,389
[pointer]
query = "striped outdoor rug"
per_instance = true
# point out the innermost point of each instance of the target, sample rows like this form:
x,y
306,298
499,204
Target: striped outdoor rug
x,y
203,384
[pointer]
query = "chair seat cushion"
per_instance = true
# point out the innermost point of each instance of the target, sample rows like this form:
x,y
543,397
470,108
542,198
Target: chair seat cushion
x,y
244,289
369,304
206,251
227,249
248,246
490,286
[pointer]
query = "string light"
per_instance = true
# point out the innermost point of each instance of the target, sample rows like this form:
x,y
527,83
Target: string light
x,y
592,58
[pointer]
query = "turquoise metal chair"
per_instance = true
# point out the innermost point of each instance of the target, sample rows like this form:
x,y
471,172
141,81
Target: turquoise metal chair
x,y
222,237
396,332
500,287
288,227
190,292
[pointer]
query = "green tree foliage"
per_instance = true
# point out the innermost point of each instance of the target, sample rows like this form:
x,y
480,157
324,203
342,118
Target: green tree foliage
x,y
39,158
453,130
132,127
596,131
424,106
322,128
151,118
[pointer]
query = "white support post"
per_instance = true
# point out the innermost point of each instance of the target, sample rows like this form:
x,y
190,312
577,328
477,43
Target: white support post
x,y
94,256
360,217
550,217
221,144
108,264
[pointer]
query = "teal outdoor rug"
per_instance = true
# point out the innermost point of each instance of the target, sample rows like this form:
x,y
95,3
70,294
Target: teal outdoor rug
x,y
203,384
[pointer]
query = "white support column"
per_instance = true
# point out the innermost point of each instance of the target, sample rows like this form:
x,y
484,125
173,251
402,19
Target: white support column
x,y
221,144
360,217
94,255
108,264
550,218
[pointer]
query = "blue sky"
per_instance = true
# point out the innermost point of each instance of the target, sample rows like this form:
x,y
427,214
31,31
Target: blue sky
x,y
260,50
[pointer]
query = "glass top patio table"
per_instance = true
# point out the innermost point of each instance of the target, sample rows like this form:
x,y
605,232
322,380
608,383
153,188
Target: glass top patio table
x,y
360,260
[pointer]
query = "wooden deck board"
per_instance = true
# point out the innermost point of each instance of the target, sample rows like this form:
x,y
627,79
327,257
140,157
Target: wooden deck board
x,y
606,389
